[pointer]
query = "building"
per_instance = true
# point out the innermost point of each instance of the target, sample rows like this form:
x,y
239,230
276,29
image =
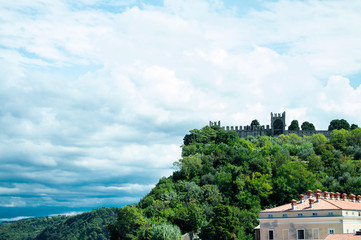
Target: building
x,y
277,127
313,216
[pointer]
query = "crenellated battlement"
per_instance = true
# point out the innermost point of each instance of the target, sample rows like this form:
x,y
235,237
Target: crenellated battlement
x,y
277,127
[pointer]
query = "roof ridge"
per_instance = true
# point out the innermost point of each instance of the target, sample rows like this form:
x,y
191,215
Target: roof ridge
x,y
327,200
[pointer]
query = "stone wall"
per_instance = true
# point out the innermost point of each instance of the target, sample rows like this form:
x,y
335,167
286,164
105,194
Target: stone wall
x,y
245,131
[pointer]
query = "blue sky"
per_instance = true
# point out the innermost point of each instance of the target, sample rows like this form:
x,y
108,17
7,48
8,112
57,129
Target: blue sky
x,y
97,96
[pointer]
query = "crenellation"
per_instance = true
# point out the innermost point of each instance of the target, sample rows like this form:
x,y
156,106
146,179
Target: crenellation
x,y
277,127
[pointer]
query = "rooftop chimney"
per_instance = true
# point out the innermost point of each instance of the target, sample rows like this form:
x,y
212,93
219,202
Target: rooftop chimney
x,y
332,195
326,195
337,195
318,197
312,201
359,198
302,198
309,193
352,197
293,203
344,196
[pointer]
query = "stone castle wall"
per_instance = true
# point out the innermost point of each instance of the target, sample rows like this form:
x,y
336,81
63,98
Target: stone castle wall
x,y
245,131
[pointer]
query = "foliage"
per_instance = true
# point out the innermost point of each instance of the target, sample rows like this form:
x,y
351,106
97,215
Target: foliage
x,y
255,123
294,126
307,126
222,182
28,228
223,225
339,124
353,126
89,225
166,231
129,220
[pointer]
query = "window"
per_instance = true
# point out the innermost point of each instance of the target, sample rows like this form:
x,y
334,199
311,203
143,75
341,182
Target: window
x,y
299,214
353,213
330,213
284,215
270,235
331,231
315,233
300,234
270,215
285,234
314,214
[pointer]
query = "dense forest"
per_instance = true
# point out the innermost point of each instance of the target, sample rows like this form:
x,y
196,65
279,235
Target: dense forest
x,y
222,182
90,225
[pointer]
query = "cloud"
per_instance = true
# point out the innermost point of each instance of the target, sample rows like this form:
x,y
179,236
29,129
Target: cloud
x,y
340,97
97,96
15,218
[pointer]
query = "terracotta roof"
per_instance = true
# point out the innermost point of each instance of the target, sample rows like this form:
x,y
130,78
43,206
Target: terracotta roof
x,y
323,204
345,236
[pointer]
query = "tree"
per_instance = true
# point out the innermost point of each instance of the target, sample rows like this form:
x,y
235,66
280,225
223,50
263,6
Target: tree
x,y
254,123
318,139
294,126
166,231
189,217
354,126
307,126
339,138
339,124
129,221
224,225
355,137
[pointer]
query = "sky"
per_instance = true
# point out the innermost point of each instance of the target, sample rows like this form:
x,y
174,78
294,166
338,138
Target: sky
x,y
97,95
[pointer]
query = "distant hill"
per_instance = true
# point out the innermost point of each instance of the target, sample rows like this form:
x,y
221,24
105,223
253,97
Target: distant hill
x,y
89,225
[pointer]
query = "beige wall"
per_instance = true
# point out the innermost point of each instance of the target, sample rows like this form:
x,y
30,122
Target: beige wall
x,y
340,222
292,225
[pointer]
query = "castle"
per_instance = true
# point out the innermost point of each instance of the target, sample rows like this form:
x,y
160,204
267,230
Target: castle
x,y
278,127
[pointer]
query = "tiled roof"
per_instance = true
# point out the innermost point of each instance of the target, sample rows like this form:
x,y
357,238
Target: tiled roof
x,y
345,236
323,204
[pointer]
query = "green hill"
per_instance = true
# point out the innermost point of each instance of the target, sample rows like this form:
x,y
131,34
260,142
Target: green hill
x,y
89,225
221,184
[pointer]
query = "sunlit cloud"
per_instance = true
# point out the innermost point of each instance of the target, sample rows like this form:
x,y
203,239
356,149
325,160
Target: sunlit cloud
x,y
97,96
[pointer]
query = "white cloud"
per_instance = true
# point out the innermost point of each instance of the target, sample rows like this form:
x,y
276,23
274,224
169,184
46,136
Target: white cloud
x,y
15,218
338,96
92,96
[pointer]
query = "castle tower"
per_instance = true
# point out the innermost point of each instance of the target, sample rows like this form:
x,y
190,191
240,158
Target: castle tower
x,y
278,123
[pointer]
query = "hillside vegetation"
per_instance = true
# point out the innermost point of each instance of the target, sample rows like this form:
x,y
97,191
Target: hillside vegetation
x,y
89,225
222,182
220,185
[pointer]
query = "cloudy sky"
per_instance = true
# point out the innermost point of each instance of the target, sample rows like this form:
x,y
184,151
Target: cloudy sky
x,y
97,95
